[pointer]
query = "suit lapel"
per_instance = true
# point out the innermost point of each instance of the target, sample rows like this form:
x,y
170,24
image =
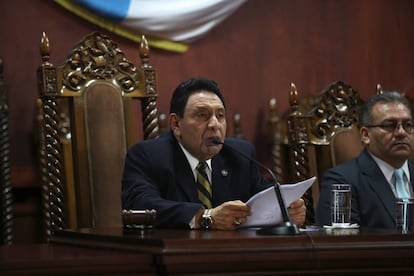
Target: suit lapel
x,y
184,175
221,176
375,179
411,169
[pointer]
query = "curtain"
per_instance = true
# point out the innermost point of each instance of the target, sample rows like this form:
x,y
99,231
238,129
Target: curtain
x,y
168,24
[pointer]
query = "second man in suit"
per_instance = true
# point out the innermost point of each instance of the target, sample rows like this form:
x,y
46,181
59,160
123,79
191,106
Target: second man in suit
x,y
387,133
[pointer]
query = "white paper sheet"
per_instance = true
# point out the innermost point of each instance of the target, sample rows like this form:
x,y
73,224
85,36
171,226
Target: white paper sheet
x,y
265,207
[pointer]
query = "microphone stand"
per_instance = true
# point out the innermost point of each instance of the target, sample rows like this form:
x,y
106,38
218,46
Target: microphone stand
x,y
284,228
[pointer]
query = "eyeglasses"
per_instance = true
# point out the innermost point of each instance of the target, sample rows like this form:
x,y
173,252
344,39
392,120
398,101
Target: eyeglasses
x,y
408,126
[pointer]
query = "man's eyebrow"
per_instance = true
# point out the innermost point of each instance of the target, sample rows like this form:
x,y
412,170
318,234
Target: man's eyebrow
x,y
200,107
204,106
397,120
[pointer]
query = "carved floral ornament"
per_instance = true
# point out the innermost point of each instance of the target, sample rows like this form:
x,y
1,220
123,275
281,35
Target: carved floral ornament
x,y
98,57
338,107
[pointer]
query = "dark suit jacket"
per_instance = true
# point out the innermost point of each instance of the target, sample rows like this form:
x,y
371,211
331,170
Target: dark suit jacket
x,y
373,202
158,176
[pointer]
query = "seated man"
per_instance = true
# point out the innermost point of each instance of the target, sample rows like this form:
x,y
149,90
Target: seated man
x,y
161,173
387,135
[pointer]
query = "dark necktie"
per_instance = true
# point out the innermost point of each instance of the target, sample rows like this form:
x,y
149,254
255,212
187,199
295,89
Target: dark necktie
x,y
203,185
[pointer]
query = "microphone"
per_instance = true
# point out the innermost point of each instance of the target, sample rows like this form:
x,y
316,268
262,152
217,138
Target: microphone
x,y
284,228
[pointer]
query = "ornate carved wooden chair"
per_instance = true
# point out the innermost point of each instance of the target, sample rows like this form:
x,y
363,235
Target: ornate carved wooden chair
x,y
278,138
323,137
6,197
89,121
278,141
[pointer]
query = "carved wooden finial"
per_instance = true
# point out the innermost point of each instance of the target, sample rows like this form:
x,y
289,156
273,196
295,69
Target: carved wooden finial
x,y
379,89
293,97
273,116
272,105
144,51
237,125
44,48
236,118
163,122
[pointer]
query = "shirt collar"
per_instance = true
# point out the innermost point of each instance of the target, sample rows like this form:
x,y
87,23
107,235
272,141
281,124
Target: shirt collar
x,y
192,160
388,170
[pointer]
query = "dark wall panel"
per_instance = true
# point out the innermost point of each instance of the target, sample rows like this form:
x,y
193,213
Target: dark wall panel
x,y
254,55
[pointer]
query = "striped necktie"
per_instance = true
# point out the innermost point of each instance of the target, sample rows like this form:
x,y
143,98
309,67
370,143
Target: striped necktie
x,y
203,185
399,184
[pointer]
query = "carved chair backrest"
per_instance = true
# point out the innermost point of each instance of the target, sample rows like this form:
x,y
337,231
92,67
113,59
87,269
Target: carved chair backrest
x,y
324,136
88,123
277,134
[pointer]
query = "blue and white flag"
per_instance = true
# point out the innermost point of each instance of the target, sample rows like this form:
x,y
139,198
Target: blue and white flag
x,y
168,24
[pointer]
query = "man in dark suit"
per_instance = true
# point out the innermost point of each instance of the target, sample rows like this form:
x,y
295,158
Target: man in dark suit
x,y
387,135
161,173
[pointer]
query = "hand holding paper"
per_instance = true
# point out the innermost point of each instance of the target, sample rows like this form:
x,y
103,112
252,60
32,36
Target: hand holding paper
x,y
265,207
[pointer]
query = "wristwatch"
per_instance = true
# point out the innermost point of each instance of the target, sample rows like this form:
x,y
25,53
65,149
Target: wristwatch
x,y
206,220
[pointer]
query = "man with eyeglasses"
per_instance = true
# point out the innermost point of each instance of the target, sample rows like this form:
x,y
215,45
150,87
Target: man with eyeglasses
x,y
387,133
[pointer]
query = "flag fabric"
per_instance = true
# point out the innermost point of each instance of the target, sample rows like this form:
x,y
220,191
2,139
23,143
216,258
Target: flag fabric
x,y
168,24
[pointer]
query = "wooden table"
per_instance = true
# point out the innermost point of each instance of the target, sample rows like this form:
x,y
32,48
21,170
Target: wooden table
x,y
242,252
55,259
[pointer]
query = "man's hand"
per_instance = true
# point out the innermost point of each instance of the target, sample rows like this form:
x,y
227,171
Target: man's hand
x,y
229,215
297,212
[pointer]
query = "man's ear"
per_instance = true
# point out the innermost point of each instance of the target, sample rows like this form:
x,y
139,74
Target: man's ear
x,y
174,123
364,135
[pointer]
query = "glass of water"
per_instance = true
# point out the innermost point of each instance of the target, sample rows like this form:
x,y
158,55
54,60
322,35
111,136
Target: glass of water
x,y
340,205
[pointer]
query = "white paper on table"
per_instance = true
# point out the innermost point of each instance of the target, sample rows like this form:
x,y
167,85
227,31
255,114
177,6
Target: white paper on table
x,y
265,206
